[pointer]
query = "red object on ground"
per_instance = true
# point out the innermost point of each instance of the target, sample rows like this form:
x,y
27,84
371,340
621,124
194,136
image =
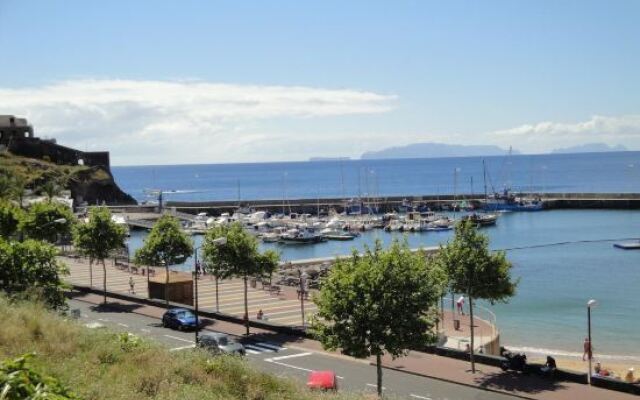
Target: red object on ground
x,y
323,380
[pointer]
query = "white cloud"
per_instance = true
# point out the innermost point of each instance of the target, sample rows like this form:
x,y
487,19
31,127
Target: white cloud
x,y
179,121
544,136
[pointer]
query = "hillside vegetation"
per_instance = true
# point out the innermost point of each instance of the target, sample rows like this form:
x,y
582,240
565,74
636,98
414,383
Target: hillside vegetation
x,y
35,172
97,364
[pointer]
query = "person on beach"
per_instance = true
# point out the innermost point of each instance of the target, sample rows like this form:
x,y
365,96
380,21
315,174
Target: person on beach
x,y
587,350
460,304
260,314
629,377
132,285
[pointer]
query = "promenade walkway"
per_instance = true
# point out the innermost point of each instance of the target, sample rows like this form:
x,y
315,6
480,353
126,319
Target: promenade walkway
x,y
281,307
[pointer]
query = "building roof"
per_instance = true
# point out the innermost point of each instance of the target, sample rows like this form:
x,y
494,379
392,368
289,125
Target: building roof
x,y
5,121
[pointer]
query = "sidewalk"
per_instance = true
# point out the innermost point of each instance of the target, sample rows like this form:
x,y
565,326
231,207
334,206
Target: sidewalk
x,y
428,365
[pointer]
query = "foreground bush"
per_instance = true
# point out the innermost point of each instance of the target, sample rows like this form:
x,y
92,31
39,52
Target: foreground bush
x,y
97,364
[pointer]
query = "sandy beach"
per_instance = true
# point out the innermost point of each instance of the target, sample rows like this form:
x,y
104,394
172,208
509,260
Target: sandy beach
x,y
619,369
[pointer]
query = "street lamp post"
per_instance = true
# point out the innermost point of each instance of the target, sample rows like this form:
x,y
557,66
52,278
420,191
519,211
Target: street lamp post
x,y
196,275
591,303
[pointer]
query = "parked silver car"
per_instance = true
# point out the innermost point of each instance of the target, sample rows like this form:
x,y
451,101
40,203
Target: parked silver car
x,y
220,343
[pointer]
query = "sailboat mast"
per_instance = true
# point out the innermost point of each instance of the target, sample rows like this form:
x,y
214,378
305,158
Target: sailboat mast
x,y
484,175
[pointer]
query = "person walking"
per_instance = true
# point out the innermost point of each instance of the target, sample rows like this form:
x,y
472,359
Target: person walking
x,y
587,350
460,304
132,285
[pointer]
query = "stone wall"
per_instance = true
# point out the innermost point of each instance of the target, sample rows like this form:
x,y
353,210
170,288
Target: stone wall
x,y
50,151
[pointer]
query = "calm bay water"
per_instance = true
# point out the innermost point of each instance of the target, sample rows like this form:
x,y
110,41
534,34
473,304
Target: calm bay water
x,y
556,281
593,172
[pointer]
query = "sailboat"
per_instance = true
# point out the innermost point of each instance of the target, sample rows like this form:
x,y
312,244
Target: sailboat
x,y
506,201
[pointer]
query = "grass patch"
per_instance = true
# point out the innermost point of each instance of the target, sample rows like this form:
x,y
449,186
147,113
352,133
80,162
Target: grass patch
x,y
98,364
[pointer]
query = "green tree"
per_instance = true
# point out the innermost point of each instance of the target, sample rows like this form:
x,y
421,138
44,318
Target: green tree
x,y
31,268
474,270
18,381
238,257
384,301
97,238
47,221
50,188
166,244
7,187
10,216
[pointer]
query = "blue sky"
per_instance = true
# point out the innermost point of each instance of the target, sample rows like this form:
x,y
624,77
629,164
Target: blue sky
x,y
204,81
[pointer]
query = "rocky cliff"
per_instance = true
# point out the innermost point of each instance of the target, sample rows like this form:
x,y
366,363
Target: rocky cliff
x,y
95,185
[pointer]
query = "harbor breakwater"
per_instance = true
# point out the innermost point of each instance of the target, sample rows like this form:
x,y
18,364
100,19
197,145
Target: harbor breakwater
x,y
624,201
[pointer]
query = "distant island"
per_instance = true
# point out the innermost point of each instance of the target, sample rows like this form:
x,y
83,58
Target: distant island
x,y
590,148
329,158
436,150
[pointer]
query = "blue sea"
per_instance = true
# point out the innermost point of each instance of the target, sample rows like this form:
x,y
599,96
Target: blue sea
x,y
563,258
589,172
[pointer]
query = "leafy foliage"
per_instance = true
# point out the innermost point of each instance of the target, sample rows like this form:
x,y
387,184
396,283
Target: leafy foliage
x,y
10,216
98,238
384,301
38,222
474,270
166,243
239,257
19,381
31,268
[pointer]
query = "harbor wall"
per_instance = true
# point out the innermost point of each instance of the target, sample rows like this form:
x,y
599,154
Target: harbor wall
x,y
391,203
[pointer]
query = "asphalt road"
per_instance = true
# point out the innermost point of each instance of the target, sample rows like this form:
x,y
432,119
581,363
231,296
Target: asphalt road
x,y
290,361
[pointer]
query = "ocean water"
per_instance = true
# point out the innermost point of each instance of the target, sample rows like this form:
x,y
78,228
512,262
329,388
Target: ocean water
x,y
563,258
548,313
591,172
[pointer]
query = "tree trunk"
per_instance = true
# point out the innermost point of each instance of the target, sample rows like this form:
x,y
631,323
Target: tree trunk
x,y
246,306
90,272
473,363
166,282
104,281
379,373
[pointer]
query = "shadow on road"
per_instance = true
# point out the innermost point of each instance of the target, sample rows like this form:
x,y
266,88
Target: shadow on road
x,y
517,382
115,307
272,337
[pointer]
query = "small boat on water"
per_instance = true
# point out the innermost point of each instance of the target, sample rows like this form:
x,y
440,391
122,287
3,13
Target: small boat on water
x,y
334,234
300,236
629,245
481,219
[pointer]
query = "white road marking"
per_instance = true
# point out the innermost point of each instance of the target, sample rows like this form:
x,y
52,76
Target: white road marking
x,y
145,330
294,367
415,396
121,324
258,348
103,319
375,386
179,338
191,346
289,356
270,346
251,351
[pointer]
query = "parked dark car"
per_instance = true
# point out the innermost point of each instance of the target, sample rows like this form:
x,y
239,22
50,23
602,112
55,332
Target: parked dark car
x,y
179,318
220,343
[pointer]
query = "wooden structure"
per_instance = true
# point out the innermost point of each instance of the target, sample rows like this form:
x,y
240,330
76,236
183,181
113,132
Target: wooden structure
x,y
179,289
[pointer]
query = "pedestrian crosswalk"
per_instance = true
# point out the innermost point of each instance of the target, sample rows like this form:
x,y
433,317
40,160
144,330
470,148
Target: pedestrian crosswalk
x,y
226,297
262,347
